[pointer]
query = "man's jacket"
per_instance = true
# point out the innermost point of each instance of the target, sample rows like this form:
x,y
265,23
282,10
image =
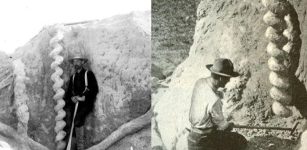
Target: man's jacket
x,y
77,87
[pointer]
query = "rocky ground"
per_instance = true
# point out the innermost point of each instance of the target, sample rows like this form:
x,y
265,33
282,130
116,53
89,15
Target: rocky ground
x,y
232,29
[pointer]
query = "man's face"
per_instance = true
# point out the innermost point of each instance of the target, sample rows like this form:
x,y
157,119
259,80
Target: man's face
x,y
78,63
223,81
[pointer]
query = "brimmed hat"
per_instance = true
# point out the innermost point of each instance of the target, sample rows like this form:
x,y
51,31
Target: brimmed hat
x,y
223,67
78,57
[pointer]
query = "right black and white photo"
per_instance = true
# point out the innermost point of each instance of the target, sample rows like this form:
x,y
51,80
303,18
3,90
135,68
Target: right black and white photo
x,y
229,75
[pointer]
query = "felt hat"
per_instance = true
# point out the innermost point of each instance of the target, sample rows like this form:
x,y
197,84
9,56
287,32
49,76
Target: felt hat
x,y
223,67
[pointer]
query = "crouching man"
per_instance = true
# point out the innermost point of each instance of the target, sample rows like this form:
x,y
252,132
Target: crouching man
x,y
209,129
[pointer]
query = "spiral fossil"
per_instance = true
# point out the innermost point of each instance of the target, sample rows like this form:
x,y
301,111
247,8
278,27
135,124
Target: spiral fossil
x,y
57,87
283,38
21,98
303,141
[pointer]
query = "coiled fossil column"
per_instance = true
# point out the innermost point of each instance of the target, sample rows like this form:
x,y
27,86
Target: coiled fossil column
x,y
57,87
282,38
21,98
303,141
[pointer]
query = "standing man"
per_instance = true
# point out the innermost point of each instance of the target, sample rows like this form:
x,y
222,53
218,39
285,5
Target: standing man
x,y
209,129
83,89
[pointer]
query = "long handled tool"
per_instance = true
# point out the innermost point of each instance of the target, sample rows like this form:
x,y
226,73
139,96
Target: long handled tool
x,y
269,128
72,127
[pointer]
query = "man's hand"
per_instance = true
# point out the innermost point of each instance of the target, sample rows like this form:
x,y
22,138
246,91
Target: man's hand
x,y
230,126
74,99
81,99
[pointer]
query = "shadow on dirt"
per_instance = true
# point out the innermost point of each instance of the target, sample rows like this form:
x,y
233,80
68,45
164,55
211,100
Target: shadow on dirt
x,y
270,143
300,97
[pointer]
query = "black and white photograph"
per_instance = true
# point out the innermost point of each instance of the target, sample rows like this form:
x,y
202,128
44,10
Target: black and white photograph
x,y
75,75
229,75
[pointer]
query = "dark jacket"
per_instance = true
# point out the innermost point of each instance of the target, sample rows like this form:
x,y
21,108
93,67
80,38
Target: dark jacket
x,y
78,89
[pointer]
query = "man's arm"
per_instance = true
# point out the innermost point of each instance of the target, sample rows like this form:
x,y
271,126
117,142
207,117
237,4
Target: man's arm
x,y
218,117
197,93
90,94
92,90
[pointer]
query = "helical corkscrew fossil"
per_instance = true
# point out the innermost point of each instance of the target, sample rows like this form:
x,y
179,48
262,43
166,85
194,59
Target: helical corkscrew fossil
x,y
303,141
21,98
282,37
57,87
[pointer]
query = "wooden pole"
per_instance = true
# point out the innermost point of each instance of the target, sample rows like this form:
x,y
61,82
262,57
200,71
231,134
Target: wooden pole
x,y
72,127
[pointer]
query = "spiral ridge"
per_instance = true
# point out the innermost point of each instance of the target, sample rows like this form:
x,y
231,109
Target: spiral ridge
x,y
282,38
303,141
57,87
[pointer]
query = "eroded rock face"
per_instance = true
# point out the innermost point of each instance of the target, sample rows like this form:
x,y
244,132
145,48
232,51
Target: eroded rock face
x,y
118,50
235,30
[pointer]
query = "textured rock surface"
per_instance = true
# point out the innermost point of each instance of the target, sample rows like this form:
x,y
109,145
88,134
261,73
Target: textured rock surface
x,y
118,49
7,110
232,29
12,140
137,141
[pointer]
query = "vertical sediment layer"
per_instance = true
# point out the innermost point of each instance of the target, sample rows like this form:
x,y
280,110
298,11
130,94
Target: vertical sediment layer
x,y
21,97
303,141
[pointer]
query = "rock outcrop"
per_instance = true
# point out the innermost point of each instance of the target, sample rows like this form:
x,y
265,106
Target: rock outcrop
x,y
233,29
118,49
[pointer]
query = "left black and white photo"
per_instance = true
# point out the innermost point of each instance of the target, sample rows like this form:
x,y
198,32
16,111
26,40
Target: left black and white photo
x,y
75,75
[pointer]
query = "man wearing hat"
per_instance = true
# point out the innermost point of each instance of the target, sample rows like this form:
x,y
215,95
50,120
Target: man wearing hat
x,y
209,129
82,89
